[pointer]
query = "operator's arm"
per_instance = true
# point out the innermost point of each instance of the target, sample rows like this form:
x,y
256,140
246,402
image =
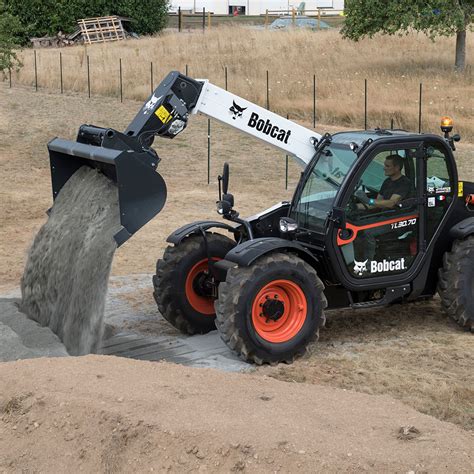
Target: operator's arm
x,y
380,203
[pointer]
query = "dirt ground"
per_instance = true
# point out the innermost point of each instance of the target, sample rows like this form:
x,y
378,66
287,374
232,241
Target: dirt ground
x,y
411,353
147,416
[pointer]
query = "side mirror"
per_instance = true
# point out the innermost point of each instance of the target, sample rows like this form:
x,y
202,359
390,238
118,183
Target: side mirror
x,y
225,178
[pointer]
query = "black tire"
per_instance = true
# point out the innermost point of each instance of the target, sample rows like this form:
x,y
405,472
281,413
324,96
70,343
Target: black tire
x,y
172,273
456,283
238,304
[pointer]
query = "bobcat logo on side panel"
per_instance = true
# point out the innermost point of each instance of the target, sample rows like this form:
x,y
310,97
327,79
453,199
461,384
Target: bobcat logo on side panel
x,y
360,267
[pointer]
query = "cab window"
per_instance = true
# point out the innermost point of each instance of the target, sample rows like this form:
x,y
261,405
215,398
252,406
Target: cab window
x,y
439,189
322,184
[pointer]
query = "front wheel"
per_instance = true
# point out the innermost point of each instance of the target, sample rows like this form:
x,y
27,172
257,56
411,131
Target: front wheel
x,y
183,287
270,312
456,282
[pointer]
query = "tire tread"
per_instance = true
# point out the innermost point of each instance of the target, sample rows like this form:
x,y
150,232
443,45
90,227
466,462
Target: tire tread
x,y
229,298
453,282
163,284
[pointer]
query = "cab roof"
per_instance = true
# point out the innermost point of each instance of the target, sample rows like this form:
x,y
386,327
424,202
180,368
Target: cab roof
x,y
360,137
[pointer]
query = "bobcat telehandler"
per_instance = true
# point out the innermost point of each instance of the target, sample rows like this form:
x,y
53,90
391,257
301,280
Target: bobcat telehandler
x,y
266,283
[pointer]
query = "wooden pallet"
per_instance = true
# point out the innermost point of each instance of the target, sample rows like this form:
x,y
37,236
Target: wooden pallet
x,y
101,29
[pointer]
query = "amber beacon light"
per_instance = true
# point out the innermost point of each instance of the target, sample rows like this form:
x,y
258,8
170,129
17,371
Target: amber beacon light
x,y
446,124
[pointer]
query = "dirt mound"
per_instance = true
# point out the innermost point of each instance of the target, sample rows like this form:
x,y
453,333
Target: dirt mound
x,y
107,414
65,280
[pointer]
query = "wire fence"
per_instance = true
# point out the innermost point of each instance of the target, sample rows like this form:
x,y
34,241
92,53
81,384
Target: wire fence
x,y
121,94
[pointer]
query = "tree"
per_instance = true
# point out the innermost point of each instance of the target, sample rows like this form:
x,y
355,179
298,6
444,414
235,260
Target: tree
x,y
10,37
434,17
149,16
47,17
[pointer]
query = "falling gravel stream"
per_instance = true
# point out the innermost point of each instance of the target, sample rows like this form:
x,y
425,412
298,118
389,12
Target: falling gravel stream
x,y
65,280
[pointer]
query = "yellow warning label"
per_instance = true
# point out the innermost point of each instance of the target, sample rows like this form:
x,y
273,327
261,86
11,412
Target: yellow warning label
x,y
163,114
460,189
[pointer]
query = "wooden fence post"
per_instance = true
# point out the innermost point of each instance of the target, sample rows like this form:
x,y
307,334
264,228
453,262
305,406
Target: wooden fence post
x,y
61,71
365,104
208,151
419,108
36,74
151,76
268,91
121,81
314,100
88,78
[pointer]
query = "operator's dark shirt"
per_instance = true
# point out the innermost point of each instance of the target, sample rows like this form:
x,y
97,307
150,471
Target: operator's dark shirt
x,y
401,186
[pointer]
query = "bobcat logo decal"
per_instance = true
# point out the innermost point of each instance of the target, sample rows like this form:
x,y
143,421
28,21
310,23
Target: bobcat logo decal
x,y
237,110
150,105
360,267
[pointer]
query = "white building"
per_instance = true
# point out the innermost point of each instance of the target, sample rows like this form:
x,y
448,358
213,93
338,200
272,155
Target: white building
x,y
250,7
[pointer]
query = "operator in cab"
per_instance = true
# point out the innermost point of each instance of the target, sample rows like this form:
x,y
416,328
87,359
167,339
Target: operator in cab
x,y
395,188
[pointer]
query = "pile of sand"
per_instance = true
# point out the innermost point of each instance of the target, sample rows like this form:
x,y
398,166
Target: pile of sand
x,y
109,414
65,280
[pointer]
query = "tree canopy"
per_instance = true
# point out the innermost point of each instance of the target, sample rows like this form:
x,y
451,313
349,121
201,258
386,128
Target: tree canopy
x,y
434,17
11,33
48,17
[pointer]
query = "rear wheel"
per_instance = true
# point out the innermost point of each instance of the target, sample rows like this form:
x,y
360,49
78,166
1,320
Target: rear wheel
x,y
456,282
183,286
269,312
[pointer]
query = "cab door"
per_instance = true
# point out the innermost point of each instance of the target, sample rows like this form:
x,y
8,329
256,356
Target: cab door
x,y
383,212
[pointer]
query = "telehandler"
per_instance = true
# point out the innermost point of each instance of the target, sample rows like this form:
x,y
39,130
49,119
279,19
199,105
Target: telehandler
x,y
378,217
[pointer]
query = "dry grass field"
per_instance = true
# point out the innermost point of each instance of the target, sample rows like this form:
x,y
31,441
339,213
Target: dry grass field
x,y
394,67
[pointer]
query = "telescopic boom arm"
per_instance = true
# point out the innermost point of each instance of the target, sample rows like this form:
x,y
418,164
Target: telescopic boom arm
x,y
128,159
168,109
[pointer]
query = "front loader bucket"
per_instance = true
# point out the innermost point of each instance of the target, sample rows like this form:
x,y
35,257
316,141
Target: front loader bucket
x,y
141,190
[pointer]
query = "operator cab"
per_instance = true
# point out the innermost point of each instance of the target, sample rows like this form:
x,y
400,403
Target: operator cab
x,y
372,201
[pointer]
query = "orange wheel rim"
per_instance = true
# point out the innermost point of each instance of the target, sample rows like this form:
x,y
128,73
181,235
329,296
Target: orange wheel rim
x,y
279,311
201,304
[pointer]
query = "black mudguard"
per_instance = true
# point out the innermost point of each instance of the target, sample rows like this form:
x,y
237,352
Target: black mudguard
x,y
246,253
462,229
178,235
